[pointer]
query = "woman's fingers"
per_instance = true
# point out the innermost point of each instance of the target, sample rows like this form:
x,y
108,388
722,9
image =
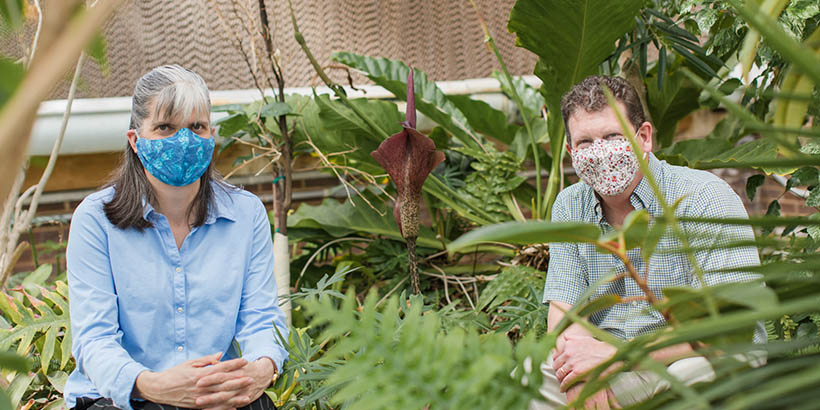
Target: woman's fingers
x,y
205,360
223,399
224,382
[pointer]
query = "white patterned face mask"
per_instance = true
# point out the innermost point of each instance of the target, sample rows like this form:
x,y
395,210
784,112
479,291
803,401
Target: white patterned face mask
x,y
608,166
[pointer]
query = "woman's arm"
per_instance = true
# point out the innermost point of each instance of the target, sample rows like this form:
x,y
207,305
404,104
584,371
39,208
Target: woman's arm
x,y
94,311
259,311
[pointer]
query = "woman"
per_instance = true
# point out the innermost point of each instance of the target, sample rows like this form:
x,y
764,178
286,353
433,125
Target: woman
x,y
170,270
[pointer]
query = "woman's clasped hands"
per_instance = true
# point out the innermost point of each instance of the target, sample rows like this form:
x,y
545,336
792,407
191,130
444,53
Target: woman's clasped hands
x,y
207,383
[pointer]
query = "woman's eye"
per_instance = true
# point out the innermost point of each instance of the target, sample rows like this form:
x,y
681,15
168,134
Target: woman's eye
x,y
198,127
163,127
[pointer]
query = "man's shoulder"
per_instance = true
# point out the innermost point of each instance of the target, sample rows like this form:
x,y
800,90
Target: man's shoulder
x,y
699,190
574,200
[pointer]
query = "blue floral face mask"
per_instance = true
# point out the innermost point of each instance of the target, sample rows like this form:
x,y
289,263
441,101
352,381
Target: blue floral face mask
x,y
178,160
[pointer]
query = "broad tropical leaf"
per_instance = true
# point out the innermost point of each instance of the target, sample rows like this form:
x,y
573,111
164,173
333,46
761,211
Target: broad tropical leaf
x,y
342,219
524,233
571,37
430,100
670,104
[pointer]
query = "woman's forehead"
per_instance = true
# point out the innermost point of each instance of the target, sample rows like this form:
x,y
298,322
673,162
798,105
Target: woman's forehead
x,y
169,113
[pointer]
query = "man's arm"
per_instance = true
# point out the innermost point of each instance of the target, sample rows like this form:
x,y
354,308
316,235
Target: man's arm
x,y
556,314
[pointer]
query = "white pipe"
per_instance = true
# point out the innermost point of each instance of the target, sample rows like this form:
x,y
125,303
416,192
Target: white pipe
x,y
99,124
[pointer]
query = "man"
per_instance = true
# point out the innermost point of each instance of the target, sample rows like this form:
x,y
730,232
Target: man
x,y
612,186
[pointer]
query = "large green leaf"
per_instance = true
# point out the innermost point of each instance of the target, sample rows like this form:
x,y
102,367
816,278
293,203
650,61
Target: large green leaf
x,y
344,218
692,151
338,116
333,128
524,233
430,100
670,104
485,119
571,37
532,100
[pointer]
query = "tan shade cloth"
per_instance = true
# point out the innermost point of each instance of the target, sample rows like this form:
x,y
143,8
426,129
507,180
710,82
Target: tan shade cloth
x,y
441,37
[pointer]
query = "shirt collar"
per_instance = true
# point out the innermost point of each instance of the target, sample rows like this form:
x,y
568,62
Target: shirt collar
x,y
221,209
642,197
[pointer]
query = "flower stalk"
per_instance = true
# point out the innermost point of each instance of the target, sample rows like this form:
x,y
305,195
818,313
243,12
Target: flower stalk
x,y
408,157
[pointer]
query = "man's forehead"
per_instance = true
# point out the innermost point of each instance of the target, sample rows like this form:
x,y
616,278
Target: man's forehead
x,y
584,122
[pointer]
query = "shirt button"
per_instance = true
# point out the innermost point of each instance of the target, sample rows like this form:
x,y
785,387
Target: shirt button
x,y
180,309
179,270
179,348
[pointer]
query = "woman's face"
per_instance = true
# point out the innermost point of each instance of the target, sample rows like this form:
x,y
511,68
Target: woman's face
x,y
158,126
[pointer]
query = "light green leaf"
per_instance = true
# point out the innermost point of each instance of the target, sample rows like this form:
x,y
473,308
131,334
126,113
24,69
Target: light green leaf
x,y
533,100
276,109
525,233
58,379
232,124
635,228
35,279
570,37
18,387
670,104
342,219
430,100
485,119
11,361
48,349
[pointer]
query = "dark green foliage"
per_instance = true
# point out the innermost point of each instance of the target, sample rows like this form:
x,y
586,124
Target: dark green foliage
x,y
752,183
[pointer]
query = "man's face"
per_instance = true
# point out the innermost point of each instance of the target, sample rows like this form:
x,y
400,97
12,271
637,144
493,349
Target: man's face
x,y
586,127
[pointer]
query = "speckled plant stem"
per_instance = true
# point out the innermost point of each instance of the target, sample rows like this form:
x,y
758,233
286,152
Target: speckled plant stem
x,y
413,268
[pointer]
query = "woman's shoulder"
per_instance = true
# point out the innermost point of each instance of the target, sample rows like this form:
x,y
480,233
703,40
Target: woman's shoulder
x,y
94,202
230,197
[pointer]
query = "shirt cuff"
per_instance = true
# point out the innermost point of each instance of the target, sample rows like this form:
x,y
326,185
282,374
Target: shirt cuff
x,y
124,382
560,295
262,345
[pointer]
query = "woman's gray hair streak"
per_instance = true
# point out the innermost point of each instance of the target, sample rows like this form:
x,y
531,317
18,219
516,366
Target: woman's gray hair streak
x,y
177,93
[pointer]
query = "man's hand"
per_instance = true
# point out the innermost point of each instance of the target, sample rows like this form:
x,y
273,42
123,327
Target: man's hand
x,y
178,386
224,390
577,355
599,400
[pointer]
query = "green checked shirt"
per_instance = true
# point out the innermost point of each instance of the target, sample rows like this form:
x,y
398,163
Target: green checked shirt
x,y
574,267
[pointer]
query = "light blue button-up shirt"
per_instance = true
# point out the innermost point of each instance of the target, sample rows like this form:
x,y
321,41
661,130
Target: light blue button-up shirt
x,y
573,267
138,303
